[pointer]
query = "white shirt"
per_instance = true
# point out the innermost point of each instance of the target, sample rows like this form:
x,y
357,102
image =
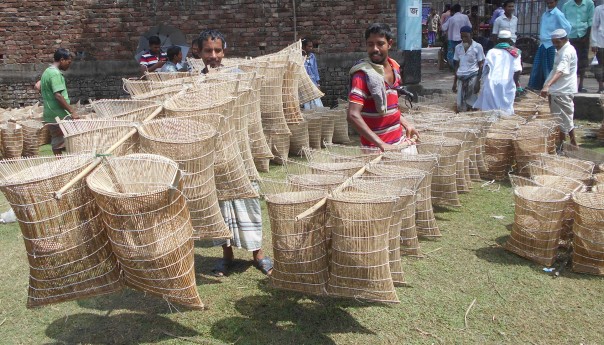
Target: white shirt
x,y
505,23
565,62
498,89
468,60
454,24
597,28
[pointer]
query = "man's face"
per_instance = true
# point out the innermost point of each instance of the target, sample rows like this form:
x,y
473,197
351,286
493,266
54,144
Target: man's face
x,y
195,51
154,48
377,48
509,9
308,47
558,42
212,52
64,64
466,37
551,4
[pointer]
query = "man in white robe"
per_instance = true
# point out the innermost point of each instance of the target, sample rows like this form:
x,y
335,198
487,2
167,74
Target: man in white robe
x,y
501,63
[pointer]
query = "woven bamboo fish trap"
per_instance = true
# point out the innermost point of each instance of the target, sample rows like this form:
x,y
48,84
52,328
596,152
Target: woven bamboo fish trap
x,y
11,135
444,184
365,154
327,128
359,266
578,152
96,136
598,182
123,109
191,144
299,247
324,161
262,164
161,94
538,218
400,216
136,87
314,129
309,181
299,138
241,114
529,143
498,155
258,143
231,177
424,213
340,129
279,143
568,186
196,65
563,166
588,230
165,76
148,224
44,135
32,132
69,254
308,91
408,179
271,98
291,99
462,168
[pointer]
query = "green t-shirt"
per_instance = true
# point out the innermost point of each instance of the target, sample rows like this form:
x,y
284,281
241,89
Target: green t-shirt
x,y
52,82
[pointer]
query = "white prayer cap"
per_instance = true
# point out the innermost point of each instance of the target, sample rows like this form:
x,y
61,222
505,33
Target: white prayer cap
x,y
505,34
560,33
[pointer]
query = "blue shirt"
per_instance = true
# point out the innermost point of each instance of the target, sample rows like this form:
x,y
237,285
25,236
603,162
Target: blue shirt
x,y
550,22
310,63
579,16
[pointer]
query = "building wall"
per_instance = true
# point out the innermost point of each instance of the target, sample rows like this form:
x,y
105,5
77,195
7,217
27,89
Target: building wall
x,y
108,31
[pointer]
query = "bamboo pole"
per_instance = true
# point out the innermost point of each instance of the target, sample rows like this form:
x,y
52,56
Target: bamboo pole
x,y
58,194
345,184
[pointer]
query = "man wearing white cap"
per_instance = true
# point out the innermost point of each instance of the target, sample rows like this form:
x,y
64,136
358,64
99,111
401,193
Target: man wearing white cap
x,y
501,64
561,84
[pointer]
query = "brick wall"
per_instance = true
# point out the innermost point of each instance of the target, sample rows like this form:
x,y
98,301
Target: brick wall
x,y
108,31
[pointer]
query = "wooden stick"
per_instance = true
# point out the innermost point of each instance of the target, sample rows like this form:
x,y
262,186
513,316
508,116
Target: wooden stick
x,y
345,184
58,194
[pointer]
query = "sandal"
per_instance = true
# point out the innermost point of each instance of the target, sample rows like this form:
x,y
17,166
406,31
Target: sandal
x,y
221,268
265,265
583,90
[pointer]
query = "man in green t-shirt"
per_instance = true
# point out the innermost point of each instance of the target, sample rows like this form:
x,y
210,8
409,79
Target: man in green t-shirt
x,y
56,99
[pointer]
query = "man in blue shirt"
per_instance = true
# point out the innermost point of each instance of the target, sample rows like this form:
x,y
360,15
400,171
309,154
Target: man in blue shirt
x,y
552,20
579,14
310,64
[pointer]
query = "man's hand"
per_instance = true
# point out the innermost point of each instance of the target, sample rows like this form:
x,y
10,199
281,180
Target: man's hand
x,y
160,63
594,49
411,131
544,91
387,147
477,86
454,88
38,85
74,116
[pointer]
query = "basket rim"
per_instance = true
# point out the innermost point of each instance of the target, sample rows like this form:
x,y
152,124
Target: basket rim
x,y
5,182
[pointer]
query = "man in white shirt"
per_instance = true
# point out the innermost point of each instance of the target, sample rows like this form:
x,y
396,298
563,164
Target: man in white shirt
x,y
469,59
501,63
452,27
597,44
561,84
508,21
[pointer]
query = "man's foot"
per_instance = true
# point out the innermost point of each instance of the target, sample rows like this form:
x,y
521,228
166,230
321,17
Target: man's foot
x,y
222,267
583,90
265,265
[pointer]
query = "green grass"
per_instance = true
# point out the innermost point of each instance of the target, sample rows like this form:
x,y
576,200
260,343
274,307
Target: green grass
x,y
516,302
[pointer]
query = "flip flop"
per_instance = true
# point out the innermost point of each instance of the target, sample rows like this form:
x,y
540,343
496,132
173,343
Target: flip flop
x,y
221,268
265,265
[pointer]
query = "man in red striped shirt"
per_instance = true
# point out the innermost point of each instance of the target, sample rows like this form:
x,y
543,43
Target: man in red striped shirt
x,y
373,99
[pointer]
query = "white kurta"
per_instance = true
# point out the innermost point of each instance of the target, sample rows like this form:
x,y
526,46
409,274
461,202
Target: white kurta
x,y
498,89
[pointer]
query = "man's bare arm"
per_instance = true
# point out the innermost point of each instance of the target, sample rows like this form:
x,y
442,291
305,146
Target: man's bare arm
x,y
354,118
63,103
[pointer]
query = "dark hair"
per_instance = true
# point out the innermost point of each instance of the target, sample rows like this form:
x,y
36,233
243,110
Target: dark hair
x,y
196,42
505,3
305,40
456,8
173,52
62,53
154,40
447,7
211,34
379,29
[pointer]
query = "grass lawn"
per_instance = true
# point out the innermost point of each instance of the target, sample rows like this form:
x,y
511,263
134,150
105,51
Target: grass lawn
x,y
515,301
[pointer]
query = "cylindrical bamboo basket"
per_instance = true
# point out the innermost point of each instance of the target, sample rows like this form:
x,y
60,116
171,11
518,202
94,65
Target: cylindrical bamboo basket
x,y
563,166
96,136
291,99
279,143
242,111
529,143
303,182
148,224
588,230
258,143
32,132
307,89
123,109
68,252
11,135
191,144
314,130
340,129
327,128
262,164
299,247
359,265
538,218
498,155
299,138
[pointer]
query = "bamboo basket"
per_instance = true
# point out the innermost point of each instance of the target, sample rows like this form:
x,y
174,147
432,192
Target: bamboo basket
x,y
11,135
279,143
241,114
32,133
299,247
340,130
291,99
588,229
529,143
400,216
258,143
262,164
359,265
563,166
307,89
44,135
424,214
191,144
299,138
271,98
68,252
327,128
148,224
137,87
498,155
123,109
308,181
463,180
408,179
444,180
538,218
96,136
196,65
314,130
584,154
165,76
365,154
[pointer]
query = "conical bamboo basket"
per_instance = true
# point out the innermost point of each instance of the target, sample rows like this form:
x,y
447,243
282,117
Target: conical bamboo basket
x,y
32,131
11,135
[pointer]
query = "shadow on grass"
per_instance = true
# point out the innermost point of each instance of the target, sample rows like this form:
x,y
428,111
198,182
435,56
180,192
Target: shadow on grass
x,y
127,299
126,328
284,317
498,255
204,266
